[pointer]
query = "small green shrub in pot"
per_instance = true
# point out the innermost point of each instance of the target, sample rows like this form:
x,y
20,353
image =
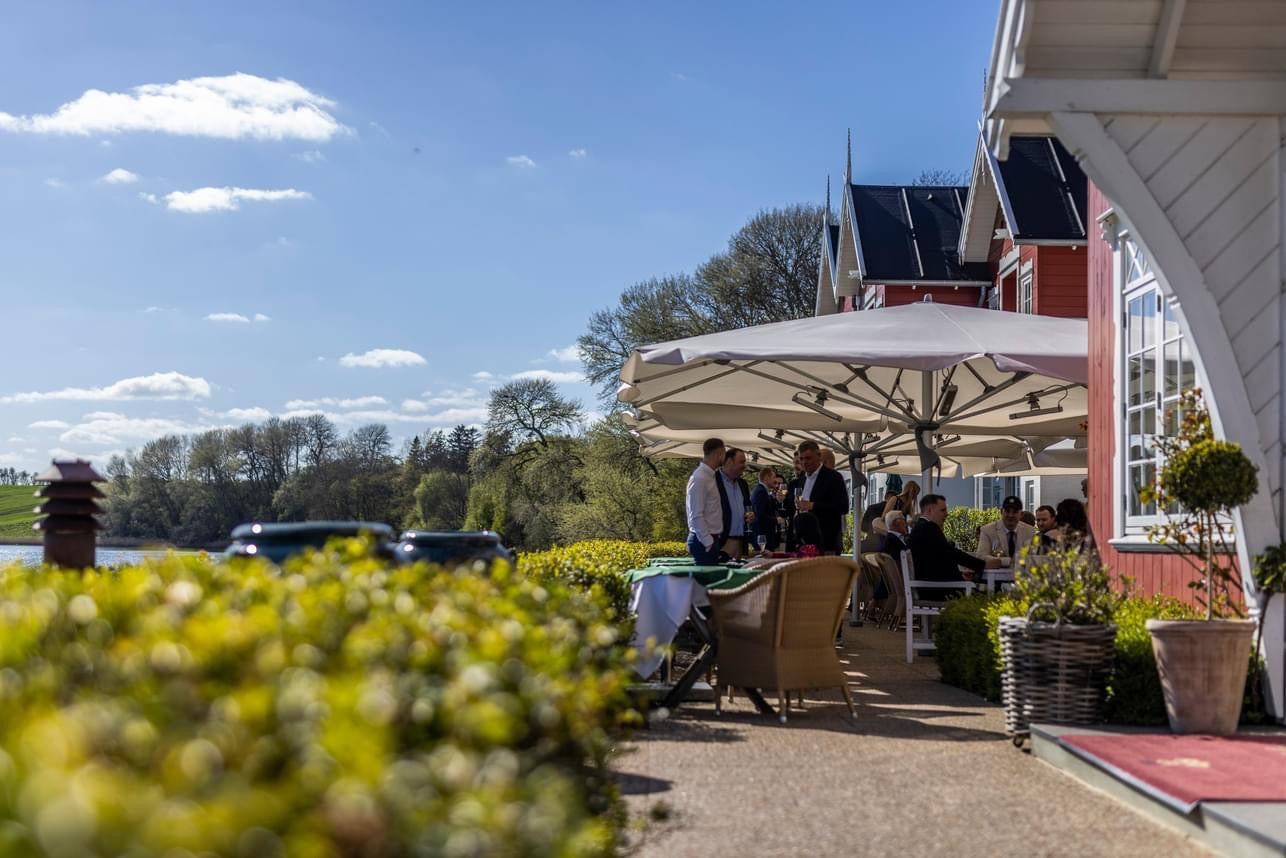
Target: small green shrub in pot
x,y
1202,483
1070,580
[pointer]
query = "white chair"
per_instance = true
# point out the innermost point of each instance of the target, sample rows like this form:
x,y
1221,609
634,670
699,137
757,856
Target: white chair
x,y
922,608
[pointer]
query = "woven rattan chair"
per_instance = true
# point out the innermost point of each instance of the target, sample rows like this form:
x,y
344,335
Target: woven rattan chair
x,y
778,630
877,610
895,601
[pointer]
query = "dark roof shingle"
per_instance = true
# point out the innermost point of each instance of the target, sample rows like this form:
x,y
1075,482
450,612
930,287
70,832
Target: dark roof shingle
x,y
1046,189
908,234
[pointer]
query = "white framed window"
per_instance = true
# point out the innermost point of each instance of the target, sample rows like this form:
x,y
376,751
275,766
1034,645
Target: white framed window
x,y
1156,367
1026,288
993,297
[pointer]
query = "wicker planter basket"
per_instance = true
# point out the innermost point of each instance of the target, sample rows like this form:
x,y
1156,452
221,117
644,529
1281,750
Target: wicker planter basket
x,y
1053,673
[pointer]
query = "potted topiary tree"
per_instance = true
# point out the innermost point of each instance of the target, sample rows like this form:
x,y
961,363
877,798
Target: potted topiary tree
x,y
1057,672
1202,663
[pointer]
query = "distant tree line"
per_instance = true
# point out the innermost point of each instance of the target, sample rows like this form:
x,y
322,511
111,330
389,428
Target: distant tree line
x,y
14,477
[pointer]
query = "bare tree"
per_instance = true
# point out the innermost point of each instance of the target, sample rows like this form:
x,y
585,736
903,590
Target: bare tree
x,y
940,178
531,409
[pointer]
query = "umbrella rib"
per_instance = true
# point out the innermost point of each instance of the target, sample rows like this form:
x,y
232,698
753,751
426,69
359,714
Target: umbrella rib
x,y
990,390
887,394
1048,391
847,398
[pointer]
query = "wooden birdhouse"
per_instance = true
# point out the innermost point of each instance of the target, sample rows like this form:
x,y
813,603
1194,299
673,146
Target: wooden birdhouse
x,y
69,506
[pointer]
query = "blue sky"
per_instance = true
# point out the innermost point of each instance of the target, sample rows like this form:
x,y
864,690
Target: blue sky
x,y
440,193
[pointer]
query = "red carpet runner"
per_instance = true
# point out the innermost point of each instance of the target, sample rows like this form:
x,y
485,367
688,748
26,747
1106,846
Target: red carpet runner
x,y
1185,770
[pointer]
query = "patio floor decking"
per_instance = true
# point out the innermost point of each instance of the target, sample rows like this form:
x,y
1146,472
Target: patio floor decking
x,y
925,770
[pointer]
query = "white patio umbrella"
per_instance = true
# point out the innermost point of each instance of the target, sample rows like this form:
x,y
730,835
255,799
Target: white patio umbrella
x,y
1056,462
930,371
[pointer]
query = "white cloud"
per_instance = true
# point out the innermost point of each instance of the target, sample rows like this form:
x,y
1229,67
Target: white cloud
x,y
520,161
120,176
578,153
380,128
55,183
148,198
484,376
204,200
321,359
49,424
260,317
232,107
312,156
467,397
16,439
570,354
158,385
252,413
227,317
282,241
106,144
329,401
109,427
156,309
550,375
376,358
414,405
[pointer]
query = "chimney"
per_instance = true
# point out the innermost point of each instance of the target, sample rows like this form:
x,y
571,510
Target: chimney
x,y
69,507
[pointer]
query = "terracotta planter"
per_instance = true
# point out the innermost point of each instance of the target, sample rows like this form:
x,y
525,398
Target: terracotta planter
x,y
1203,672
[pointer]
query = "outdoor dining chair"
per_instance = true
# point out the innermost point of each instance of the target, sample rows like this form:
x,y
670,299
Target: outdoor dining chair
x,y
894,606
924,609
777,632
875,610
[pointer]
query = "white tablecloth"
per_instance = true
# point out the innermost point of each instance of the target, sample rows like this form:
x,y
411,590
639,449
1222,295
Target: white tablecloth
x,y
661,604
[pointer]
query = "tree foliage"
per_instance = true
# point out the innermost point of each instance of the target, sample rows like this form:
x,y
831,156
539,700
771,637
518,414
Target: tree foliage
x,y
940,178
767,274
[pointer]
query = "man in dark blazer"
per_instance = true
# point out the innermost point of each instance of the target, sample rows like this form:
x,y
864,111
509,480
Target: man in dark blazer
x,y
824,495
734,502
934,558
763,501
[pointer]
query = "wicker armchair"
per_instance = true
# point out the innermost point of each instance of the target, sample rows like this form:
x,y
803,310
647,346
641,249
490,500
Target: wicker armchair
x,y
778,631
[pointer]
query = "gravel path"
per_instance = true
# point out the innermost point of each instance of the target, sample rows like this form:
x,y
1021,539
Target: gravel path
x,y
926,770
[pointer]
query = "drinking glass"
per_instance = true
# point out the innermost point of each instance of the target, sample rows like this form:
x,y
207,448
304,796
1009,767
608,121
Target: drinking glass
x,y
762,539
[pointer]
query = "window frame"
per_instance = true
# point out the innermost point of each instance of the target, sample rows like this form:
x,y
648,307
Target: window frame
x,y
1026,292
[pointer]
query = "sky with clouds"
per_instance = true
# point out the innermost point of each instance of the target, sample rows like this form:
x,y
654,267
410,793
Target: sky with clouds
x,y
219,213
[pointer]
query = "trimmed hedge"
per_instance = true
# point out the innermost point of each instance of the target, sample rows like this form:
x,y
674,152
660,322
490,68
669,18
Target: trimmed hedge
x,y
598,563
336,707
968,652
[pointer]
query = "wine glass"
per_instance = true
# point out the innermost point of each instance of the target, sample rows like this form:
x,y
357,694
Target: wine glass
x,y
762,540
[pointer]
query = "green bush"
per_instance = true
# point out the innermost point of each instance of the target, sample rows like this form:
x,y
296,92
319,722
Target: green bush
x,y
332,708
962,525
968,651
600,564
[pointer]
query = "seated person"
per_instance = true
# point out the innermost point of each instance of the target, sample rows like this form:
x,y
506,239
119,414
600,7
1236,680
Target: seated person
x,y
895,536
808,531
1073,525
1046,523
1008,535
875,511
936,559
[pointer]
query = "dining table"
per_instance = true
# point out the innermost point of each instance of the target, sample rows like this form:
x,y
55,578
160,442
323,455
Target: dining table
x,y
665,594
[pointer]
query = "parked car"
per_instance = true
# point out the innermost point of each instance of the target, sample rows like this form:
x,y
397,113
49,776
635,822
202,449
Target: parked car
x,y
451,547
276,542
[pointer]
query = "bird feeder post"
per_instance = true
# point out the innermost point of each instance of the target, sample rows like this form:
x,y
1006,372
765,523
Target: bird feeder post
x,y
68,510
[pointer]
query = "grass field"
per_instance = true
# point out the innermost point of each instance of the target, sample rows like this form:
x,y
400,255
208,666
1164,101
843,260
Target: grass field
x,y
16,517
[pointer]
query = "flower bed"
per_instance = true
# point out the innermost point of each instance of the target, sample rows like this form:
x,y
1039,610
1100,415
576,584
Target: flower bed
x,y
968,647
335,708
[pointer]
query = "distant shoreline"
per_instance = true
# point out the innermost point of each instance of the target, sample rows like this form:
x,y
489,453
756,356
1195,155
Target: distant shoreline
x,y
123,542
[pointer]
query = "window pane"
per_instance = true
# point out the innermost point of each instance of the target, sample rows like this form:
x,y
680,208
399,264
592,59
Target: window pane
x,y
1187,369
1171,322
1141,476
1134,383
1172,371
1173,416
1148,315
1147,377
1142,428
1134,325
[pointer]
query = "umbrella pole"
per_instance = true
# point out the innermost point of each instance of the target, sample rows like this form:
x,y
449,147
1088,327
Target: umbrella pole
x,y
926,413
859,489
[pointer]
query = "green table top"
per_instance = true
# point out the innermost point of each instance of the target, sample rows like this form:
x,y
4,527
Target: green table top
x,y
685,560
711,577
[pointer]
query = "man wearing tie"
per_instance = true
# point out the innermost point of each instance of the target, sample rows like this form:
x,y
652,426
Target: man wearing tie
x,y
1008,536
705,514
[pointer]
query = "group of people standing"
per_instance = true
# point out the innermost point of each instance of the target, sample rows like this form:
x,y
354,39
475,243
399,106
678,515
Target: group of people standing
x,y
725,518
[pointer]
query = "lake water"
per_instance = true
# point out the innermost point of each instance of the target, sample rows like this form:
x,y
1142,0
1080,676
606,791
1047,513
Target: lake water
x,y
31,554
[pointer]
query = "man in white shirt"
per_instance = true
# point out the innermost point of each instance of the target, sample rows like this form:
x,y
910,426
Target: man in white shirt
x,y
1008,536
705,513
734,500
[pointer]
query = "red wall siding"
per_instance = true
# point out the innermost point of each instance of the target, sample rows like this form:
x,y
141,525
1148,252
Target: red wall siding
x,y
1060,280
1152,573
965,296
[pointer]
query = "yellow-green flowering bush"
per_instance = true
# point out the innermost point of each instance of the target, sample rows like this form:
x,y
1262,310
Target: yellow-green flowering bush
x,y
598,563
336,707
